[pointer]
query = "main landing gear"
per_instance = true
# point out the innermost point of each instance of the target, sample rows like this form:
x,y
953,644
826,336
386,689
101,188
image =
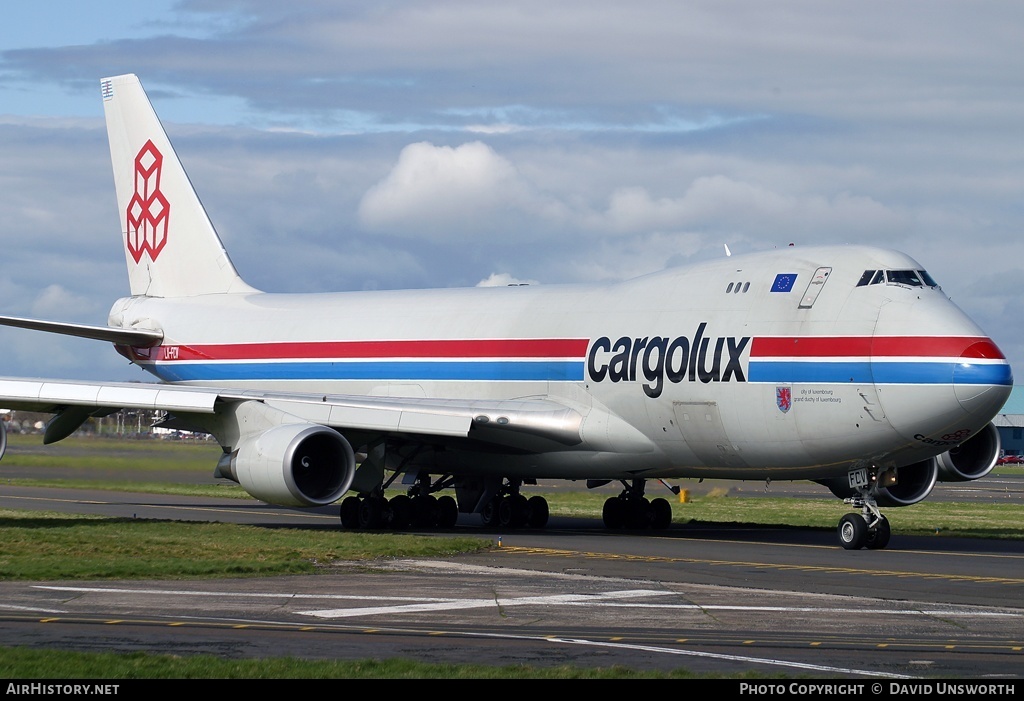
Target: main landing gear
x,y
868,529
419,508
631,509
510,509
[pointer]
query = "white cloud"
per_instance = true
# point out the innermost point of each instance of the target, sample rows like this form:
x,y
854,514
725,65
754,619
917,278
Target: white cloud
x,y
55,302
503,280
453,192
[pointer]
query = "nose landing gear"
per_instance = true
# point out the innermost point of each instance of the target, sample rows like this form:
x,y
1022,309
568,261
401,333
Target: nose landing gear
x,y
868,529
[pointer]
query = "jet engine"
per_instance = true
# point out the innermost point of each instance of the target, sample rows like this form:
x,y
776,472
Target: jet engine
x,y
903,486
913,483
299,464
972,459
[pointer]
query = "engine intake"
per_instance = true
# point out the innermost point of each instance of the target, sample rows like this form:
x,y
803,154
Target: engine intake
x,y
293,465
972,459
912,483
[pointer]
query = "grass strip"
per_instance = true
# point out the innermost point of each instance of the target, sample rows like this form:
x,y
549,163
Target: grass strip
x,y
25,663
49,546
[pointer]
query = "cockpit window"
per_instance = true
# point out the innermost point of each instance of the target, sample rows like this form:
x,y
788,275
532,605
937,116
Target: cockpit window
x,y
912,278
903,277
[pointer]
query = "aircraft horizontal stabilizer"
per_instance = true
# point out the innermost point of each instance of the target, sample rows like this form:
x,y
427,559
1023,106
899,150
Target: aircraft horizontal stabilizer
x,y
139,338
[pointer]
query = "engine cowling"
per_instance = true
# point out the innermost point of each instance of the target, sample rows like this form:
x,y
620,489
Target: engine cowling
x,y
913,483
972,459
298,464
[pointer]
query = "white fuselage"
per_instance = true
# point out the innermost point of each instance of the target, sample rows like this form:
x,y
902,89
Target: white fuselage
x,y
770,365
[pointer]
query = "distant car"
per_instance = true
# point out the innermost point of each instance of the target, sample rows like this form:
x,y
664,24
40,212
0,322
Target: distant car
x,y
1011,460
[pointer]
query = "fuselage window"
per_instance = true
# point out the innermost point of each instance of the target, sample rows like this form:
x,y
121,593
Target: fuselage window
x,y
746,286
729,288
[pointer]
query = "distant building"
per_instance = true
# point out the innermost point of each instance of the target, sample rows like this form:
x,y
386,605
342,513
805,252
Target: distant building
x,y
1010,422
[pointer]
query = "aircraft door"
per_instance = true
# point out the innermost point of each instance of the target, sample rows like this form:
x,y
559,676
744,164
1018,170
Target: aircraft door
x,y
704,433
814,287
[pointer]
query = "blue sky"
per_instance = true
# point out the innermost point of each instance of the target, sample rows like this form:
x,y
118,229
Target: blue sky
x,y
369,145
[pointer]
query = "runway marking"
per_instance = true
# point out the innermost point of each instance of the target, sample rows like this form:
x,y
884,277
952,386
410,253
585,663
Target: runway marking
x,y
735,658
611,643
625,598
463,604
510,549
255,625
33,609
235,594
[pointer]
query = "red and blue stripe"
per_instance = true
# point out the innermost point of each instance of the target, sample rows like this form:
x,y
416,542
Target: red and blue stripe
x,y
772,359
878,360
525,360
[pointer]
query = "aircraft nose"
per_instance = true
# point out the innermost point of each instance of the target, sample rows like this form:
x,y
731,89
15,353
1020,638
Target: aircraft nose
x,y
982,379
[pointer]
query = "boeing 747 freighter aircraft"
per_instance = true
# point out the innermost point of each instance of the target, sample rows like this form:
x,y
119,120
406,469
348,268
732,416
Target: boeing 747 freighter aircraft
x,y
844,365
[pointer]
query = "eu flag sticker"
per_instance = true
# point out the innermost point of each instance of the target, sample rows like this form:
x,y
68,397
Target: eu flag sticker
x,y
784,282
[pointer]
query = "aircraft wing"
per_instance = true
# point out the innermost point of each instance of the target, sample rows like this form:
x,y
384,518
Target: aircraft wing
x,y
529,424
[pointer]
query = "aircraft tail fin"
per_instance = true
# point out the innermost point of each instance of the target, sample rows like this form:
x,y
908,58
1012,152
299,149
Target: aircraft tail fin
x,y
171,247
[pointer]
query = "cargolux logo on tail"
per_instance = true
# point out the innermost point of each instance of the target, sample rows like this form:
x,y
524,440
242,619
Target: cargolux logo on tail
x,y
148,210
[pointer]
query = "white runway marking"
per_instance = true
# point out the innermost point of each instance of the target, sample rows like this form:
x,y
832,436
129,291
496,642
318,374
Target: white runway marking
x,y
32,609
612,599
619,598
235,594
734,658
463,604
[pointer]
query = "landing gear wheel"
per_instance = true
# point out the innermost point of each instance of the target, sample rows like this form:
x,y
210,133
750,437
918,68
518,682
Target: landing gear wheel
x,y
400,507
512,511
506,512
853,531
614,512
447,512
489,515
640,513
537,512
878,537
371,512
350,512
662,513
424,511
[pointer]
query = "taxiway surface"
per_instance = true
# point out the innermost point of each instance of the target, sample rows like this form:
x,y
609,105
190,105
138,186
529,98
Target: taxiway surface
x,y
710,599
